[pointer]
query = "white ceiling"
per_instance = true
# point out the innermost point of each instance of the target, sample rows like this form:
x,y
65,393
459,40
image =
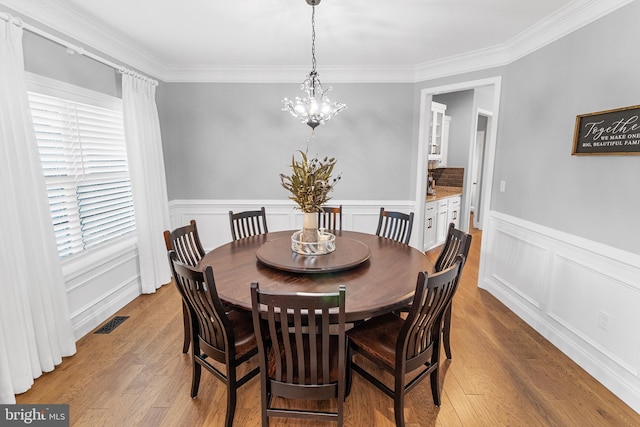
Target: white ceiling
x,y
411,39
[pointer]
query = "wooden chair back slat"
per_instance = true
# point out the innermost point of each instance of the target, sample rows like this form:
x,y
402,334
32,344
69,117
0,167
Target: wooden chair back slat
x,y
330,218
458,243
248,223
185,241
395,225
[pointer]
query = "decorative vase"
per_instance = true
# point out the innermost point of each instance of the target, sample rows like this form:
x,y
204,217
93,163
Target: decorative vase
x,y
310,227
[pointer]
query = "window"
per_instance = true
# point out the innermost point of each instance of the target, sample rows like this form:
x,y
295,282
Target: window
x,y
84,159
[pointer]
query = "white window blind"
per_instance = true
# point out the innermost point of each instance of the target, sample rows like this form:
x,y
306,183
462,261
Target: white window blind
x,y
84,158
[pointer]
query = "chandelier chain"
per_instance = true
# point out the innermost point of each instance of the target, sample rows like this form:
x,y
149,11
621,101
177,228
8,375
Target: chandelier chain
x,y
313,39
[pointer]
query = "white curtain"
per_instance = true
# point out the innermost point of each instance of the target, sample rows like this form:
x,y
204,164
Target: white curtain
x,y
146,167
35,325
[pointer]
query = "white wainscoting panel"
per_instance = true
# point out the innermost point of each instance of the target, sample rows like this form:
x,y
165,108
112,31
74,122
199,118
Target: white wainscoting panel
x,y
519,266
101,283
581,295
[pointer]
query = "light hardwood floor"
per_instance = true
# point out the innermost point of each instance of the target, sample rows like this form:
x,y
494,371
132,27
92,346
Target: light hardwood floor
x,y
502,373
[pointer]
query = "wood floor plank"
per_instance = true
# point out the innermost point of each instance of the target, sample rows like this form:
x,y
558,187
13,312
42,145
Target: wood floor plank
x,y
503,373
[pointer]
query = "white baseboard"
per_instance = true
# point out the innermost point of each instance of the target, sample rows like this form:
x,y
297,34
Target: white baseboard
x,y
106,305
581,295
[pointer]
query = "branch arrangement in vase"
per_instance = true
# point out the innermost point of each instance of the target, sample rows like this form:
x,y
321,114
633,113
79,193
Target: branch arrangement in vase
x,y
310,181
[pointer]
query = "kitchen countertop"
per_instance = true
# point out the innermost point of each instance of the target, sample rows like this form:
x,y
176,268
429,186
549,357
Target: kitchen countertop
x,y
444,192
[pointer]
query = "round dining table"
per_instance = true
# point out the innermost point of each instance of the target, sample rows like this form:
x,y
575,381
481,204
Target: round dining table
x,y
379,274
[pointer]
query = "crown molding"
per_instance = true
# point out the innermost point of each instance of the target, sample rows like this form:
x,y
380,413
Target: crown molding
x,y
83,27
472,61
568,19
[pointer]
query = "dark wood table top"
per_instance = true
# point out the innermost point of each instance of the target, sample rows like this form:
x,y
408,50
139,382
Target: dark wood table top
x,y
383,283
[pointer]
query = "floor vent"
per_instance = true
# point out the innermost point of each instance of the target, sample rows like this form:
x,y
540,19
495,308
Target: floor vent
x,y
111,325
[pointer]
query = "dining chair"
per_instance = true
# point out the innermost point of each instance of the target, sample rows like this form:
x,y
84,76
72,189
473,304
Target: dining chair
x,y
402,346
458,243
226,338
186,242
330,218
248,223
300,358
395,225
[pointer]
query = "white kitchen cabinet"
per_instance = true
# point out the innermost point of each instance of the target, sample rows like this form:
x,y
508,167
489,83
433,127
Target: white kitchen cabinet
x,y
438,135
438,215
454,211
430,214
441,220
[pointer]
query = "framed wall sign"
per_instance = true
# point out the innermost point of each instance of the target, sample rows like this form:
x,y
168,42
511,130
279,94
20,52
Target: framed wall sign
x,y
608,132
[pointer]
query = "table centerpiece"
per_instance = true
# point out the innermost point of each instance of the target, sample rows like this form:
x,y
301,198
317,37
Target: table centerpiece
x,y
310,183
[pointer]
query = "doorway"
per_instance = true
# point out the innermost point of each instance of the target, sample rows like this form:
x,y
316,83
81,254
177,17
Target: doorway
x,y
483,118
492,86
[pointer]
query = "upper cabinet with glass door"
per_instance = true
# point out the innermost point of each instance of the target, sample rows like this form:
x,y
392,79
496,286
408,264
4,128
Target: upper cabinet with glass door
x,y
438,136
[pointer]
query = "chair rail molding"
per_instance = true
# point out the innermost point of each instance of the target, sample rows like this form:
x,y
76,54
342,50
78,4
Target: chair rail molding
x,y
581,295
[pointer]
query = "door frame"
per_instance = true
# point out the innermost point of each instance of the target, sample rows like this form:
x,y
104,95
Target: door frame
x,y
426,95
483,165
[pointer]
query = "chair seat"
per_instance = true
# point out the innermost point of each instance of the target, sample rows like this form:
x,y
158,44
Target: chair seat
x,y
378,336
243,330
333,360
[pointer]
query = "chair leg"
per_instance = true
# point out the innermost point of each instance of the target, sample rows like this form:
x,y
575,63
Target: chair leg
x,y
187,329
231,400
446,332
265,399
398,400
266,404
435,386
348,373
195,379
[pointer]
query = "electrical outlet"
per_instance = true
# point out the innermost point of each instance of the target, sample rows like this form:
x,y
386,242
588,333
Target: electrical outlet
x,y
503,186
603,320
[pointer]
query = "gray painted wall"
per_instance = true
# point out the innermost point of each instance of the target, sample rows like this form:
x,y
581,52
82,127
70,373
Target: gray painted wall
x,y
231,141
595,197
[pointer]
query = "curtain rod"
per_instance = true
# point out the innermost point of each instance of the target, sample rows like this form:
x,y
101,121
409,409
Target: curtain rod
x,y
72,49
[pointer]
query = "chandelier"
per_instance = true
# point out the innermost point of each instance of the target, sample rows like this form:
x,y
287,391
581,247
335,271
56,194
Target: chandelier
x,y
314,109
